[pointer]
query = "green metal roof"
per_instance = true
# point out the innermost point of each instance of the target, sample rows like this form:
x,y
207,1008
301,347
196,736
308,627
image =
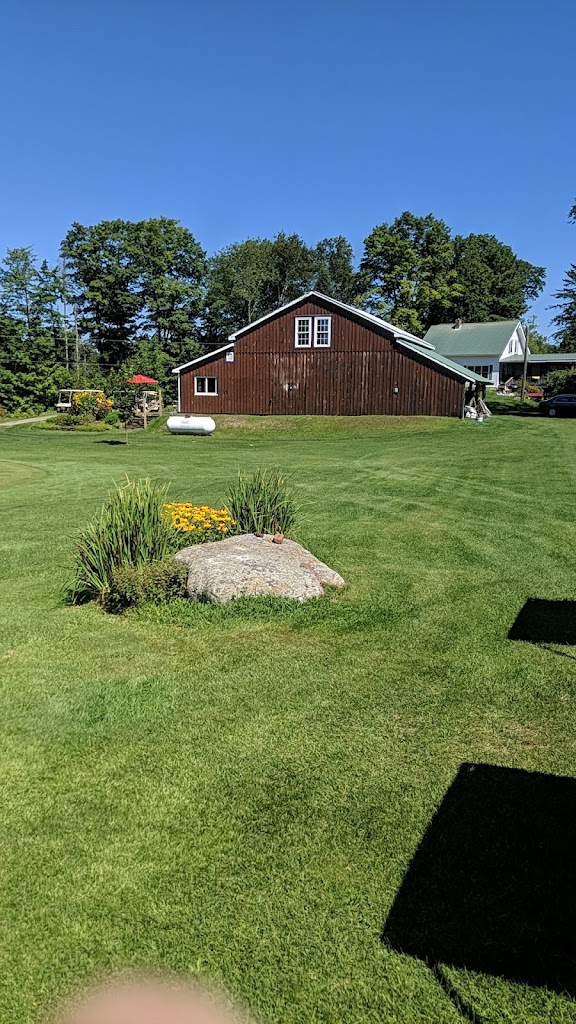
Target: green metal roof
x,y
471,339
436,357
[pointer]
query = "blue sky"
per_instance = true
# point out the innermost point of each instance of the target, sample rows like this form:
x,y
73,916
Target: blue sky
x,y
245,117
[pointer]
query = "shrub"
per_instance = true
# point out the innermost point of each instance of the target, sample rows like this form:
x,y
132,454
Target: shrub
x,y
131,529
155,582
559,382
198,523
112,418
91,403
262,503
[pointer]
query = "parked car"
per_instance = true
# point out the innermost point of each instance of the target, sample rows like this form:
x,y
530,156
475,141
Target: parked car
x,y
558,405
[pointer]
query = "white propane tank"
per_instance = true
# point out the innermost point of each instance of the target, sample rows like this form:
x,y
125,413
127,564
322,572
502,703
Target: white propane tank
x,y
191,424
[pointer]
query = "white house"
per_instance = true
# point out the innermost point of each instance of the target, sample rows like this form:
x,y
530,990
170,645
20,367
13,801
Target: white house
x,y
488,349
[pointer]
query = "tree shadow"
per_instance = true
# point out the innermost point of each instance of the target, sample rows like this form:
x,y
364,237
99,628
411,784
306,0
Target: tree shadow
x,y
541,621
492,886
112,441
516,408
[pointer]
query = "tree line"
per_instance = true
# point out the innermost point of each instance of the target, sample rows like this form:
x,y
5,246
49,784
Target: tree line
x,y
143,296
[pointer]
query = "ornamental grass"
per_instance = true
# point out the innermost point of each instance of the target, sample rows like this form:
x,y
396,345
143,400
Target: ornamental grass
x,y
263,503
131,529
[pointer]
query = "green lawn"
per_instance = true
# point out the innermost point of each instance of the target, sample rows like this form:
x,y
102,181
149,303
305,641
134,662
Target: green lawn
x,y
238,794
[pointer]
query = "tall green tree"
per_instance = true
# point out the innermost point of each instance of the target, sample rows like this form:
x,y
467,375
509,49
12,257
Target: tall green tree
x,y
492,282
251,278
416,274
335,274
105,278
18,282
407,271
173,269
131,278
239,281
565,318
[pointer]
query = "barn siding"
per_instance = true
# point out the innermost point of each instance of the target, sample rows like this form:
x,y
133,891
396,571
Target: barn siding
x,y
355,376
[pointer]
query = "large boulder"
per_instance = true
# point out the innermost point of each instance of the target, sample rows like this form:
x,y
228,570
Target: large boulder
x,y
249,565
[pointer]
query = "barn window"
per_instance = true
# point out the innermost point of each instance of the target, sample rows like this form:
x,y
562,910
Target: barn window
x,y
205,385
303,331
322,331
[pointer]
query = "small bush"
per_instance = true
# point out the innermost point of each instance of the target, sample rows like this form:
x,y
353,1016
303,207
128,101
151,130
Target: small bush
x,y
112,418
262,503
91,403
559,382
131,529
154,583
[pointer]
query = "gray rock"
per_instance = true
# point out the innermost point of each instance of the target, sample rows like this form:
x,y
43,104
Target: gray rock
x,y
249,565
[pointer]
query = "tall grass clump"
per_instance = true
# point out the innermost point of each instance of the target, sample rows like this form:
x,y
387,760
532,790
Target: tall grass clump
x,y
131,529
262,503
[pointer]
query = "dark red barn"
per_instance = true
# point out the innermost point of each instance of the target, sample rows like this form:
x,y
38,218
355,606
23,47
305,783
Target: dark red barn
x,y
318,356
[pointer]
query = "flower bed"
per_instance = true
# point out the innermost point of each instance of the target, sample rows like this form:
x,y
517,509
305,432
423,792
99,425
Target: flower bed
x,y
199,523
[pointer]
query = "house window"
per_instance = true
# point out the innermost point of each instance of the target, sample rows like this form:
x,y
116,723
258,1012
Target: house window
x,y
484,371
205,385
322,331
303,332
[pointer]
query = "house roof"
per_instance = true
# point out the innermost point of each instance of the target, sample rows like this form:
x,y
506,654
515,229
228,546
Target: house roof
x,y
422,347
552,357
471,339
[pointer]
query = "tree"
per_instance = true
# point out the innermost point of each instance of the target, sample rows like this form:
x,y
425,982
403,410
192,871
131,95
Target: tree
x,y
133,277
565,319
559,382
538,342
334,269
406,272
105,278
173,269
493,283
292,269
238,286
124,398
251,278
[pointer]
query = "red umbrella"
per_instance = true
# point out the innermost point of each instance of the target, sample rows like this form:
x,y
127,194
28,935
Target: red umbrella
x,y
140,378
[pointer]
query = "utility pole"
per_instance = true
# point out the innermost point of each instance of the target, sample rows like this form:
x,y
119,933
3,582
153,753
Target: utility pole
x,y
65,314
76,343
525,367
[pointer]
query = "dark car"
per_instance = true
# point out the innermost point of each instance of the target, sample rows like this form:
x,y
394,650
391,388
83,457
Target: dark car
x,y
559,405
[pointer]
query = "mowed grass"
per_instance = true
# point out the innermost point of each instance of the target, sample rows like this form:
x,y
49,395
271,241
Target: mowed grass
x,y
236,794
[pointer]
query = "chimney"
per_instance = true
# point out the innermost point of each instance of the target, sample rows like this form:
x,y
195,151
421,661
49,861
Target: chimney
x,y
457,325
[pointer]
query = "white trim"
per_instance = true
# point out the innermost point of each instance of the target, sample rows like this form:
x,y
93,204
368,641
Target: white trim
x,y
204,394
396,331
297,322
179,400
207,355
329,342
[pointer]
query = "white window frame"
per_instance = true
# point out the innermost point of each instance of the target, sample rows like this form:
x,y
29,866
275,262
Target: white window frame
x,y
318,344
205,394
297,342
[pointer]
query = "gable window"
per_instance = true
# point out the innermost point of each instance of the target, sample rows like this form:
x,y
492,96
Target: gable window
x,y
205,385
303,332
322,331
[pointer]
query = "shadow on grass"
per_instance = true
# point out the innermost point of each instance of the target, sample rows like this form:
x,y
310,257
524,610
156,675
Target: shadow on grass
x,y
540,621
111,441
512,407
492,886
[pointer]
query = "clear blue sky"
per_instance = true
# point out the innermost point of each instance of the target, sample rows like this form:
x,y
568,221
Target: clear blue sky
x,y
244,117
